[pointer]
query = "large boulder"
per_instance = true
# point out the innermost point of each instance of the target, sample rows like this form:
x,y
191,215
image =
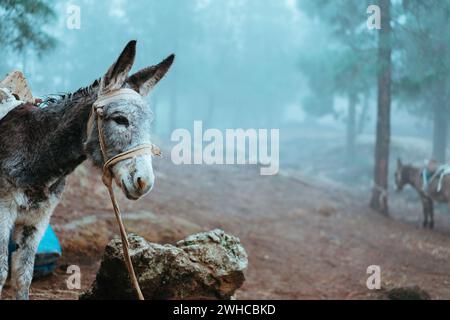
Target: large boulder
x,y
207,265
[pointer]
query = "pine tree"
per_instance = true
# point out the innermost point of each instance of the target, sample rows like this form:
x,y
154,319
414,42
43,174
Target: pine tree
x,y
22,25
424,68
379,200
341,66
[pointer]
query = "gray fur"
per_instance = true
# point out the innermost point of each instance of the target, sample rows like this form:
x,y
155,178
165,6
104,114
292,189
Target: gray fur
x,y
39,147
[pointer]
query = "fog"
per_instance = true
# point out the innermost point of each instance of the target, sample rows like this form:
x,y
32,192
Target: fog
x,y
291,125
293,65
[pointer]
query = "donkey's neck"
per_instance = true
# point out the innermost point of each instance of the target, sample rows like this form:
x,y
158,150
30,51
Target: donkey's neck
x,y
70,116
53,138
414,177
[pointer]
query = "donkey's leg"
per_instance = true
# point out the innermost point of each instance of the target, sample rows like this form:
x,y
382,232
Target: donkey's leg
x,y
27,238
6,220
29,229
425,208
431,213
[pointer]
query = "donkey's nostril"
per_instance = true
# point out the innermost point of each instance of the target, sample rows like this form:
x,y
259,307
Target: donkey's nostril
x,y
141,184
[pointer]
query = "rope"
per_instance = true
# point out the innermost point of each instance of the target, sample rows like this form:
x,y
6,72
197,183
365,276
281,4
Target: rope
x,y
383,194
107,180
97,113
425,180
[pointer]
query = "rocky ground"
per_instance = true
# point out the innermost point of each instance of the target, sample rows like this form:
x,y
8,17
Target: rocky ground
x,y
305,239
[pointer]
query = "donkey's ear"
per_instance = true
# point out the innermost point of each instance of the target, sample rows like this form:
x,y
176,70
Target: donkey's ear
x,y
145,80
118,72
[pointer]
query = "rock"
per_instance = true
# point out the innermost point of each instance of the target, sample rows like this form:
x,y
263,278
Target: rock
x,y
408,293
207,265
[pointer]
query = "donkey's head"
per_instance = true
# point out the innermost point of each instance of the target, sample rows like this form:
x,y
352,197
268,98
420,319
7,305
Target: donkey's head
x,y
125,122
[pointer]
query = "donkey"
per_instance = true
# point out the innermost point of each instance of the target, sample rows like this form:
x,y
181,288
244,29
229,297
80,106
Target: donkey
x,y
39,147
408,174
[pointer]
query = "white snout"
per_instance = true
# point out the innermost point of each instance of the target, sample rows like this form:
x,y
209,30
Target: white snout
x,y
135,176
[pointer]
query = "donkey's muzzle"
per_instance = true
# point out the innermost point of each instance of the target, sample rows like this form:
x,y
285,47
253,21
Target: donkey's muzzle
x,y
133,171
142,185
134,191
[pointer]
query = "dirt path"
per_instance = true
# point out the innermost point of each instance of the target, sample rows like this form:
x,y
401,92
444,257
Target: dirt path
x,y
304,241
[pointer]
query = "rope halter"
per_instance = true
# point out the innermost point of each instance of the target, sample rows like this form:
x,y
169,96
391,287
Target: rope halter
x,y
97,114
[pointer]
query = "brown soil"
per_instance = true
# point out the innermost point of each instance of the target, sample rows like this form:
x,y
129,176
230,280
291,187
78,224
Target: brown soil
x,y
304,240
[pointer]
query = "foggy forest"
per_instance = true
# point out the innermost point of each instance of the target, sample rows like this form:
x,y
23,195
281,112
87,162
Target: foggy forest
x,y
358,91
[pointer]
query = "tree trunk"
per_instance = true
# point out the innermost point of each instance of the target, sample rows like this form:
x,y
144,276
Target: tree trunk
x,y
351,129
379,199
440,125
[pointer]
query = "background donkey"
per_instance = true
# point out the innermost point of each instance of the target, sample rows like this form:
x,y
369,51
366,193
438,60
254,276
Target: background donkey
x,y
39,147
408,174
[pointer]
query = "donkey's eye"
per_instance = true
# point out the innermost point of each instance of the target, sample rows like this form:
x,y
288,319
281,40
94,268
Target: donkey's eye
x,y
121,120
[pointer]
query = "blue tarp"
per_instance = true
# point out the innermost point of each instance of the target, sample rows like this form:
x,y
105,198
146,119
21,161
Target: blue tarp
x,y
49,251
